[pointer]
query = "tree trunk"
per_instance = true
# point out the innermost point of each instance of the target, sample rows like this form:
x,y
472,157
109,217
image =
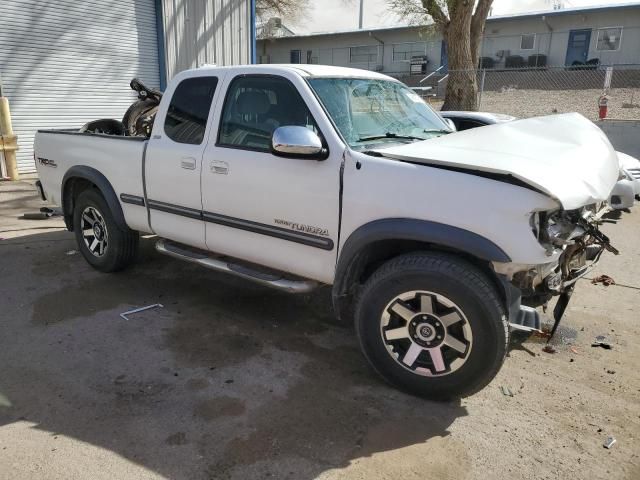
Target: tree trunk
x,y
462,86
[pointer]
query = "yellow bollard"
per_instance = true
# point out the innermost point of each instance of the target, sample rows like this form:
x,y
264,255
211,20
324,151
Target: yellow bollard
x,y
8,141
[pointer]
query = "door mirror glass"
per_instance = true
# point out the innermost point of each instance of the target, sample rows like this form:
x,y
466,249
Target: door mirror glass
x,y
298,142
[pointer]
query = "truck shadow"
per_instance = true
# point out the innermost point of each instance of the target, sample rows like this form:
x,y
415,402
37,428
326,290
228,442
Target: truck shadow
x,y
228,380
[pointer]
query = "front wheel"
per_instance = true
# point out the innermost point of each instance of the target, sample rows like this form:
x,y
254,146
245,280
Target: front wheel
x,y
433,325
103,244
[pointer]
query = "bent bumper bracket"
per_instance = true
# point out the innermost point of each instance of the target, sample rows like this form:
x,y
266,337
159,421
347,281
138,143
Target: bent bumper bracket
x,y
559,309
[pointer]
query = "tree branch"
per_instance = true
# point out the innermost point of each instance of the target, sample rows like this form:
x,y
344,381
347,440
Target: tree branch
x,y
435,11
477,26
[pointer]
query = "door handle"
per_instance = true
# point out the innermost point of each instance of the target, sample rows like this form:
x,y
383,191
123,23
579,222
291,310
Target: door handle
x,y
219,167
188,163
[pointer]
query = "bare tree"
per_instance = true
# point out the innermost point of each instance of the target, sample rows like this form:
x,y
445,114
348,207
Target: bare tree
x,y
290,9
461,23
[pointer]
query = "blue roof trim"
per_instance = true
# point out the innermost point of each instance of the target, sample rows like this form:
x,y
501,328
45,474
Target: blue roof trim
x,y
162,69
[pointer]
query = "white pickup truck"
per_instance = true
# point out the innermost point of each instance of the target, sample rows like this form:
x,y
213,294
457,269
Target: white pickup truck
x,y
294,176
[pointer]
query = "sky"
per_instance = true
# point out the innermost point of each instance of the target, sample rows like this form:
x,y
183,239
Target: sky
x,y
330,15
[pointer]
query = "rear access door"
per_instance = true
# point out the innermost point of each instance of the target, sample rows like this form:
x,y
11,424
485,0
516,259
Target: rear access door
x,y
174,158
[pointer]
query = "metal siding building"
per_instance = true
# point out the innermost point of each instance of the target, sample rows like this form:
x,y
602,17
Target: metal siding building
x,y
67,62
199,32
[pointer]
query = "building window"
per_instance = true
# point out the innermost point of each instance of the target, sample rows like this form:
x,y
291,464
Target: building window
x,y
402,52
609,38
527,42
364,54
295,56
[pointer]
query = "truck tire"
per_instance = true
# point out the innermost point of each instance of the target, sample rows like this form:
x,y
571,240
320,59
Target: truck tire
x,y
133,114
432,325
103,244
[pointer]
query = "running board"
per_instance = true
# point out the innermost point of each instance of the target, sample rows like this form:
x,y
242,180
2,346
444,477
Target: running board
x,y
263,276
527,320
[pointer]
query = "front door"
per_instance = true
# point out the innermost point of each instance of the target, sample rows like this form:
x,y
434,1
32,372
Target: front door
x,y
279,212
174,160
578,46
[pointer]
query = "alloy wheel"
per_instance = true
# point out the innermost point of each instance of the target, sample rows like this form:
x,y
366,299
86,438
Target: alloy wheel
x,y
426,333
94,231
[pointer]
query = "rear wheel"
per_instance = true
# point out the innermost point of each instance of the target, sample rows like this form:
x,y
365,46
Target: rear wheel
x,y
101,241
432,324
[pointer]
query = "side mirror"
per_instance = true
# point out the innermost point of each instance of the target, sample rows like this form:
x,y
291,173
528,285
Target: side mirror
x,y
297,142
450,124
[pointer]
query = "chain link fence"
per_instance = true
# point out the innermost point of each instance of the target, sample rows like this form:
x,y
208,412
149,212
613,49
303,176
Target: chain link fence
x,y
543,91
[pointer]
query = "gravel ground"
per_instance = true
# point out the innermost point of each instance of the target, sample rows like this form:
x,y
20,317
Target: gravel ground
x,y
533,103
234,381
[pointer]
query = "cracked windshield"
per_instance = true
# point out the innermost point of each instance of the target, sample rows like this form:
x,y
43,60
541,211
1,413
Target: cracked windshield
x,y
378,112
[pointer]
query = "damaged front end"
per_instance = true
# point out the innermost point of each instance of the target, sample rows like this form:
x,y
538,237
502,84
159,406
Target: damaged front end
x,y
573,239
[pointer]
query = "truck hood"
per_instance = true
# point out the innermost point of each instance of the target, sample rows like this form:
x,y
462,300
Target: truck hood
x,y
565,156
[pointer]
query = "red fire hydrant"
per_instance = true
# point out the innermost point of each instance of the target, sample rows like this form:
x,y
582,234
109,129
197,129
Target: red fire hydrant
x,y
602,104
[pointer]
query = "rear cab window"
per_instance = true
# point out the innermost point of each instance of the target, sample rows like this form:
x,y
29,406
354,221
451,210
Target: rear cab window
x,y
255,105
187,115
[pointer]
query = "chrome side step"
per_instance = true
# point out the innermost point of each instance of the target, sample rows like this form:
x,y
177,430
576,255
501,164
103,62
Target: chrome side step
x,y
528,320
270,278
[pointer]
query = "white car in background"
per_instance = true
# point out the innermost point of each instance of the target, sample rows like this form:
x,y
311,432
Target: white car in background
x,y
623,194
631,167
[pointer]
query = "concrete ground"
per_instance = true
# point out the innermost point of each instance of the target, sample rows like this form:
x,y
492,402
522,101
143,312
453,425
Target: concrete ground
x,y
233,381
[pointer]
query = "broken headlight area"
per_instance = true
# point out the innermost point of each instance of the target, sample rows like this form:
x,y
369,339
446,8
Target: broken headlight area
x,y
575,236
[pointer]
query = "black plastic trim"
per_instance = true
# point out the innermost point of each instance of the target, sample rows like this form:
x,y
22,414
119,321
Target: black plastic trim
x,y
278,232
351,260
41,190
100,181
132,199
247,225
175,209
423,231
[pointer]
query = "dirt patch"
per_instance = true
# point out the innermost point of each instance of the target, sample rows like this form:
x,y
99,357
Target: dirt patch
x,y
195,384
178,438
214,408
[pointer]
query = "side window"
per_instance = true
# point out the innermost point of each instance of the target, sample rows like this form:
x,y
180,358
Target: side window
x,y
189,109
467,124
255,106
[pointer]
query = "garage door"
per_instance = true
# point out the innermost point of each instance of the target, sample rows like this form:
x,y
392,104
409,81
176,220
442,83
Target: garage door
x,y
67,62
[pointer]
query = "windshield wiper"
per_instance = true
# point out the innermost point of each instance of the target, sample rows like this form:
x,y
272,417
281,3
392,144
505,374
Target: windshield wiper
x,y
390,135
437,131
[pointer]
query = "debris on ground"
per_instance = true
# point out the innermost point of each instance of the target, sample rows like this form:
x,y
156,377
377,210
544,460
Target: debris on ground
x,y
574,350
608,443
506,391
71,252
601,341
606,280
36,216
611,372
141,309
548,349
